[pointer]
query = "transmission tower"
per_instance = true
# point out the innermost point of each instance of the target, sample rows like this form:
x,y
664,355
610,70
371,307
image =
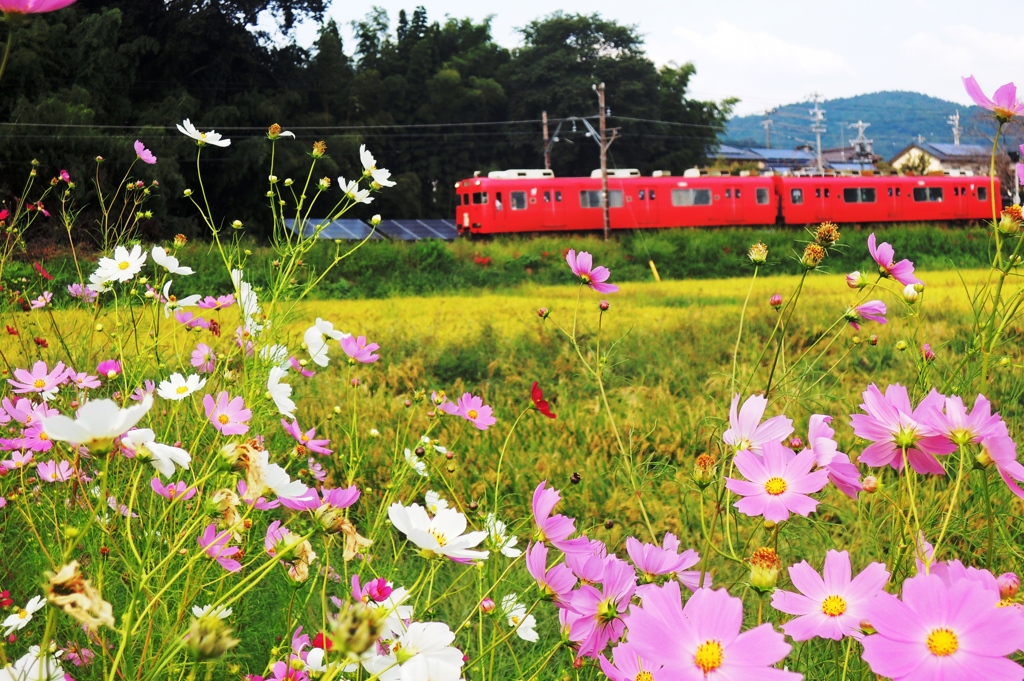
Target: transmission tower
x,y
954,121
818,127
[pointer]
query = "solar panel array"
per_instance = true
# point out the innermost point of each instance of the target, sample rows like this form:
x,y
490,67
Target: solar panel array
x,y
397,230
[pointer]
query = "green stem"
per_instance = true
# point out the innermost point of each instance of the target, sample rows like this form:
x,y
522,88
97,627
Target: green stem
x,y
990,518
739,334
782,331
7,49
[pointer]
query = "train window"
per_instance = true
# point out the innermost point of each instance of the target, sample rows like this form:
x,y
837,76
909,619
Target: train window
x,y
862,195
761,195
982,193
590,198
898,190
615,198
797,195
817,193
479,197
737,193
547,197
517,200
691,197
956,191
728,193
890,191
497,201
650,195
826,193
641,195
933,194
558,196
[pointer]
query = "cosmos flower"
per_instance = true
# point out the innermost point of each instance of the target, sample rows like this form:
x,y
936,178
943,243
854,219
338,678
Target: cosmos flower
x,y
777,483
554,529
227,415
830,605
143,442
497,533
820,439
203,358
601,611
441,535
202,138
471,408
380,176
41,379
176,387
628,665
32,6
21,617
652,560
1004,103
884,256
172,490
306,439
42,301
746,432
871,311
218,303
358,350
423,651
169,262
582,265
517,617
537,395
216,547
280,393
98,423
122,267
555,583
144,154
52,471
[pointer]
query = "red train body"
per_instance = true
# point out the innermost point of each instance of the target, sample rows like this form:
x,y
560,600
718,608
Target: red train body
x,y
500,205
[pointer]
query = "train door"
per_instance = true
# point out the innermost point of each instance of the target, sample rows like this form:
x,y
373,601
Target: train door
x,y
823,202
894,199
646,207
552,202
737,202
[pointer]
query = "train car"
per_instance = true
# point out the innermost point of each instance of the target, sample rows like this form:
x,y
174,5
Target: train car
x,y
520,201
536,201
883,198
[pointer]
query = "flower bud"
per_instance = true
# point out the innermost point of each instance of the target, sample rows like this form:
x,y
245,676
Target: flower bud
x,y
1004,362
812,257
873,339
796,442
180,240
274,131
1009,222
856,280
604,305
705,470
209,637
776,301
375,220
237,224
901,346
764,569
319,149
827,234
356,629
543,313
188,193
926,352
758,253
870,484
1009,584
487,605
910,294
856,340
288,182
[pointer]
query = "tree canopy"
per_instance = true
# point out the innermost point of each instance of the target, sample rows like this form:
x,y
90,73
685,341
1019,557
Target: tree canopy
x,y
434,100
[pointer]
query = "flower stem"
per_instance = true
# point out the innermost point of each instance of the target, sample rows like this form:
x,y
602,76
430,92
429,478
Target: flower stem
x,y
739,334
990,517
7,50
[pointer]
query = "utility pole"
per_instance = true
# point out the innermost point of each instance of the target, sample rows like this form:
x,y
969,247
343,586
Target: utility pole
x,y
954,121
547,148
767,125
603,130
818,128
862,145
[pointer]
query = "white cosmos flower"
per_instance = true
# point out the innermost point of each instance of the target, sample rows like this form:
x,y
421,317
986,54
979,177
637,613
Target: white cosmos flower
x,y
316,337
277,479
276,355
379,175
202,138
98,424
517,617
20,618
497,531
352,191
123,266
397,612
418,464
163,457
177,387
99,281
221,612
248,301
173,303
35,666
169,262
280,392
422,653
434,502
442,534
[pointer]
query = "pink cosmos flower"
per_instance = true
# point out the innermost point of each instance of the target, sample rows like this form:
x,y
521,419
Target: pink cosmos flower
x,y
830,605
843,474
555,583
120,508
52,471
777,483
32,6
204,359
963,428
218,303
229,417
40,379
359,351
42,301
652,560
943,631
77,655
109,368
308,439
172,490
190,320
376,590
35,439
601,610
589,564
582,265
83,380
318,472
148,388
17,460
891,424
871,311
554,529
1004,103
297,366
629,666
471,408
144,154
883,254
702,641
83,293
746,433
999,449
216,547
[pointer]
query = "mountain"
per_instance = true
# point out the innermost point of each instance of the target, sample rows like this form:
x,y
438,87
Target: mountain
x,y
896,119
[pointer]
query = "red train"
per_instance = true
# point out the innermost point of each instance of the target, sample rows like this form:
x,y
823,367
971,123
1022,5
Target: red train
x,y
537,201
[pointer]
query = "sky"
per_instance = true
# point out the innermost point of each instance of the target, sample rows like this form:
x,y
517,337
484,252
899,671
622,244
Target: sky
x,y
773,52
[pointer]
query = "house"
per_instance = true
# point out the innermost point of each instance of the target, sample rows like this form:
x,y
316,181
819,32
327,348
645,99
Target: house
x,y
926,157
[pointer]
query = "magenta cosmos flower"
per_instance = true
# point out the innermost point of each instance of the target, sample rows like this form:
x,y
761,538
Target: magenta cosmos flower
x,y
702,641
652,560
471,408
830,605
555,583
943,631
582,265
53,471
204,359
600,611
40,379
1004,103
892,424
871,311
554,529
963,428
747,433
229,417
1000,450
358,350
777,482
307,440
109,368
32,6
172,490
144,154
821,439
216,546
629,665
884,256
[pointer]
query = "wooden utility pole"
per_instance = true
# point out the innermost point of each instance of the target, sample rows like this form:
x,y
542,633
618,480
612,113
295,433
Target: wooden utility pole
x,y
547,149
603,130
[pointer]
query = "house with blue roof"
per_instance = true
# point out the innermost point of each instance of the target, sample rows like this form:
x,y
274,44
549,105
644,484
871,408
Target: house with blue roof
x,y
944,158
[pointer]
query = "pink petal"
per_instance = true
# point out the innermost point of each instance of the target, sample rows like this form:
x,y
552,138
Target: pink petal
x,y
975,93
1006,97
758,647
584,262
570,259
808,581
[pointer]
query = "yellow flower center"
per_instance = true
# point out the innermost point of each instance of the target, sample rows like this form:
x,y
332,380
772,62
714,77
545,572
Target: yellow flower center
x,y
644,676
39,383
223,418
473,413
833,606
305,438
775,486
585,278
22,614
514,620
123,265
43,436
709,656
441,539
942,642
182,389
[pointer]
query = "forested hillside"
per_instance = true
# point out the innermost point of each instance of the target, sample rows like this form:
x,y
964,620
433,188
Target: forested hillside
x,y
434,100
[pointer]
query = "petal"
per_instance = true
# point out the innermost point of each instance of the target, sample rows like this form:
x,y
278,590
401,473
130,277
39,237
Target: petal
x,y
1006,97
808,581
975,93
